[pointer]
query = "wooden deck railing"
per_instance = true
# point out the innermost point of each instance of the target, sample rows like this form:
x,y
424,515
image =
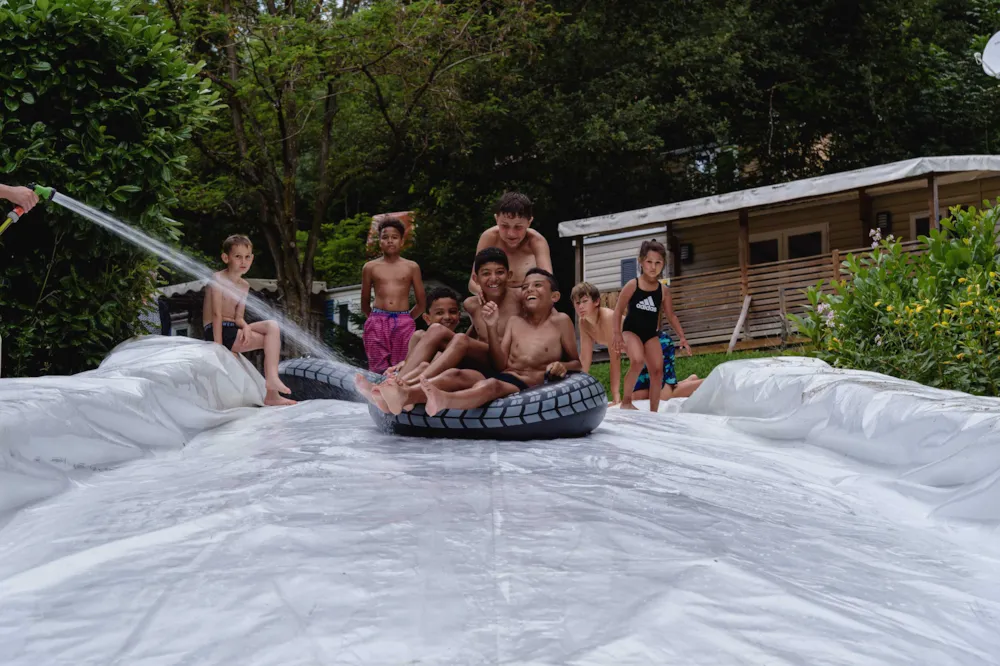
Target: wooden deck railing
x,y
708,304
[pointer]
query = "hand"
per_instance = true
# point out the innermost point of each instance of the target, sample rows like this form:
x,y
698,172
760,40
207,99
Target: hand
x,y
685,346
618,343
491,314
556,370
243,336
22,197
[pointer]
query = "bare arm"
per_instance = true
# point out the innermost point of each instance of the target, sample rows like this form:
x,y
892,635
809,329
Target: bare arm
x,y
616,321
586,349
216,295
543,257
484,243
568,339
418,293
499,347
366,289
668,309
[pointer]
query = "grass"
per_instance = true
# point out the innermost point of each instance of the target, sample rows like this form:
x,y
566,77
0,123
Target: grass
x,y
684,365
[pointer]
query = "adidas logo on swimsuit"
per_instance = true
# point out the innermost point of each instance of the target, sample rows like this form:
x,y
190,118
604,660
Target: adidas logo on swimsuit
x,y
646,304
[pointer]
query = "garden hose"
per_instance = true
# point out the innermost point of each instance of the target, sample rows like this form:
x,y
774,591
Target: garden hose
x,y
44,193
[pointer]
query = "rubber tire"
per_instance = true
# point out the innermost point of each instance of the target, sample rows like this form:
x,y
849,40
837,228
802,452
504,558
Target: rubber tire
x,y
319,379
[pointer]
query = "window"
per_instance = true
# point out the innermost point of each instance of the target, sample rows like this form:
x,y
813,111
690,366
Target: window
x,y
796,243
920,223
629,269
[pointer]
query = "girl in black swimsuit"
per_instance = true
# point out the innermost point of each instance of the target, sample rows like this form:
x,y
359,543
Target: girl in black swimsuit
x,y
642,298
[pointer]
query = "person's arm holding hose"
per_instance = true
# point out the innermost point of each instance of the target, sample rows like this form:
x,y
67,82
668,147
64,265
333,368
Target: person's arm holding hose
x,y
20,196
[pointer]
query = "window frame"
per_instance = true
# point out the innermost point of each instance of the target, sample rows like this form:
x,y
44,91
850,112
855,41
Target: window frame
x,y
781,235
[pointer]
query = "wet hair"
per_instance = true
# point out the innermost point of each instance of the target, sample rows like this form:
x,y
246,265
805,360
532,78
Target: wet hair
x,y
515,204
544,273
652,246
490,255
585,289
438,293
391,223
234,240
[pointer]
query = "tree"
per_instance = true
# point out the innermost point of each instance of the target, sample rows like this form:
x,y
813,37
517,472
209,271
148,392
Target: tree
x,y
323,94
98,102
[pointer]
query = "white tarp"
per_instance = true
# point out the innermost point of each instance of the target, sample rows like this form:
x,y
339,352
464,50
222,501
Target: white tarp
x,y
786,514
818,186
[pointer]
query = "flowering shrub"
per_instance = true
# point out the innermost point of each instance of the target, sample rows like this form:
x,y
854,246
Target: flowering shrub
x,y
932,317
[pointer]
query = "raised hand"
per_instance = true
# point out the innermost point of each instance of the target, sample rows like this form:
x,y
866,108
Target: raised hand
x,y
491,313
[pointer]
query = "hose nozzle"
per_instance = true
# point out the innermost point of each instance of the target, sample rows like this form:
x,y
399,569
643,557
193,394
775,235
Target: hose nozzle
x,y
44,193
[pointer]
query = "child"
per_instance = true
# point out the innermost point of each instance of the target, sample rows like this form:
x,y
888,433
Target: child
x,y
525,247
225,304
639,335
389,325
535,347
682,389
596,325
460,350
442,318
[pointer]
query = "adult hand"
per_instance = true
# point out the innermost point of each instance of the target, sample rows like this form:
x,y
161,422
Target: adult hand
x,y
685,346
21,196
491,313
556,370
618,343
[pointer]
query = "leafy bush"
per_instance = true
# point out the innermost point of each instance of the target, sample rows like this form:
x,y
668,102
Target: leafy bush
x,y
97,101
932,317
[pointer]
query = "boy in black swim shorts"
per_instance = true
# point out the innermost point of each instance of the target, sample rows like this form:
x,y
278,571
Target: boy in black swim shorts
x,y
673,388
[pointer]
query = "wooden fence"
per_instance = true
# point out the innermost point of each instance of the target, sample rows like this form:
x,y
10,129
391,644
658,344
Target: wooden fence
x,y
708,305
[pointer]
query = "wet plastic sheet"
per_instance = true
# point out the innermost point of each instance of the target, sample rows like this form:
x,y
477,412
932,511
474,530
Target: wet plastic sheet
x,y
302,536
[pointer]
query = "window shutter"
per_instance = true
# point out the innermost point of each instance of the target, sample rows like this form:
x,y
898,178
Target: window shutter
x,y
629,269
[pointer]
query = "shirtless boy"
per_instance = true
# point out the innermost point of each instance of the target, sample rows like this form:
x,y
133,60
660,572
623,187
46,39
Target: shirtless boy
x,y
596,326
537,346
456,348
525,247
389,325
225,304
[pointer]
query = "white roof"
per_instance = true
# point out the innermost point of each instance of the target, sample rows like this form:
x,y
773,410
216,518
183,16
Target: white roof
x,y
780,193
256,284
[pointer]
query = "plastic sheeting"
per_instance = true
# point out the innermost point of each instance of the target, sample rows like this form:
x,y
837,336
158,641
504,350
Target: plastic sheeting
x,y
785,514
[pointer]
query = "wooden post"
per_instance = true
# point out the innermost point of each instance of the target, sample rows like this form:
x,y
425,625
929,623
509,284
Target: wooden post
x,y
835,258
673,253
740,322
932,201
744,252
783,314
578,273
866,216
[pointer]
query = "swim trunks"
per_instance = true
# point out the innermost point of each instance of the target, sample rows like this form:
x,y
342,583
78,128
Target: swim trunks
x,y
513,380
643,318
669,376
386,337
229,332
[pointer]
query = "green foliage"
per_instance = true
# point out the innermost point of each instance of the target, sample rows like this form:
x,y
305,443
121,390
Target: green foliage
x,y
342,250
932,317
98,101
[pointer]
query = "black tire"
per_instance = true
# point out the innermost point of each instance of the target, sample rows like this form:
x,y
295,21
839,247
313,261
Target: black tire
x,y
319,379
571,407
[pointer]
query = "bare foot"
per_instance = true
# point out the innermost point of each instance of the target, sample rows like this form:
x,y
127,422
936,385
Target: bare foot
x,y
274,399
379,400
435,397
364,386
627,405
276,385
394,396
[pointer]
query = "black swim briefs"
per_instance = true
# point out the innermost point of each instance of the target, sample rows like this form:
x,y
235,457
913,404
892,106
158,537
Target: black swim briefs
x,y
229,332
513,380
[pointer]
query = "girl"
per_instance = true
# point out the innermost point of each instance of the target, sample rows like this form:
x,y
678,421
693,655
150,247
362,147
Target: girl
x,y
639,337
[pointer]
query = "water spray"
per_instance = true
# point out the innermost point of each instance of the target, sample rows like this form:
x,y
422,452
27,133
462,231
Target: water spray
x,y
44,193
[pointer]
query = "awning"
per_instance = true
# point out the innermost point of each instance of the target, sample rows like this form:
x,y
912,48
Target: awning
x,y
257,285
780,193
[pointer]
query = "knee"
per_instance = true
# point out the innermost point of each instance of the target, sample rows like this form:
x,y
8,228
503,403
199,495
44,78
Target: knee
x,y
461,340
437,331
272,327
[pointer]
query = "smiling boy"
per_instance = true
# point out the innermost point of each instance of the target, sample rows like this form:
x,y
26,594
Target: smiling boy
x,y
525,247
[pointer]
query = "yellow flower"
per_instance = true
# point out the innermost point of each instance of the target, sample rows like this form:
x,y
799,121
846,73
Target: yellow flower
x,y
836,340
919,308
976,311
878,303
965,304
898,322
967,241
980,351
947,311
968,289
960,356
961,280
992,274
998,333
888,308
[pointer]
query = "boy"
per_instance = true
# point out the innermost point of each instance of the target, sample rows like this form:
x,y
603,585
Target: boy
x,y
389,325
525,247
225,304
491,273
531,351
595,326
